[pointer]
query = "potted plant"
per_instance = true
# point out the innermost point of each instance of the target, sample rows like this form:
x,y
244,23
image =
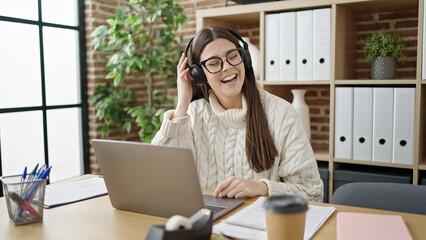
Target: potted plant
x,y
384,50
139,37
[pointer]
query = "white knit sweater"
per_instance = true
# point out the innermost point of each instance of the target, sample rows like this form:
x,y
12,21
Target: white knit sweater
x,y
217,139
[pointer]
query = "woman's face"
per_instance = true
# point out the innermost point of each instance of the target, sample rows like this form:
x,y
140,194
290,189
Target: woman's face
x,y
226,83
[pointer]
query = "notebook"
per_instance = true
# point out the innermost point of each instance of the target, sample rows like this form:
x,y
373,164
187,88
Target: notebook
x,y
367,226
155,180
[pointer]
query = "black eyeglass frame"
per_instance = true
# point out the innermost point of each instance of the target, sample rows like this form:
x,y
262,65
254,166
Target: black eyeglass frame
x,y
240,51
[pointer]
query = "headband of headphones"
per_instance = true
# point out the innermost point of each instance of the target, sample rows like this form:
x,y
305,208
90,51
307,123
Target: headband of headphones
x,y
197,73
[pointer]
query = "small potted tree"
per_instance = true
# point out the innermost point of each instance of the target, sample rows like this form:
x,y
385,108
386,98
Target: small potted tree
x,y
384,50
142,36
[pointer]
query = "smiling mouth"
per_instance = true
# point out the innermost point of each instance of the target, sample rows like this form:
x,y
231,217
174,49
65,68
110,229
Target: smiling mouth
x,y
229,79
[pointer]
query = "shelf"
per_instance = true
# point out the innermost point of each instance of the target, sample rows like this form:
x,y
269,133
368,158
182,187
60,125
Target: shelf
x,y
321,152
376,82
351,22
227,12
422,164
365,6
371,163
251,17
269,83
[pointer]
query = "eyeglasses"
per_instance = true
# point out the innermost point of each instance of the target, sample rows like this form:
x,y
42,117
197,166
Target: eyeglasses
x,y
215,64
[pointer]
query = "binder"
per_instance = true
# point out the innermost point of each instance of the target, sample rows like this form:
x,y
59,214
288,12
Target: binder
x,y
343,122
382,124
272,46
363,123
288,46
424,44
403,125
304,52
321,43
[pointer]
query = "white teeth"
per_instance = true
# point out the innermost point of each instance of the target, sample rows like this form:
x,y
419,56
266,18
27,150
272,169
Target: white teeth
x,y
229,78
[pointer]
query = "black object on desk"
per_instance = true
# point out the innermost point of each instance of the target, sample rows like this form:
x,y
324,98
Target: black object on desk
x,y
202,223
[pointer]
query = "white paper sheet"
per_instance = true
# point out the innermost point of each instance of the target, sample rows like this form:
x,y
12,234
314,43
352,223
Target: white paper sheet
x,y
63,193
249,223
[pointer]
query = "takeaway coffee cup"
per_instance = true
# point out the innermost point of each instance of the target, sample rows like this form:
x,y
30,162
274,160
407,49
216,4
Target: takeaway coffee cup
x,y
285,217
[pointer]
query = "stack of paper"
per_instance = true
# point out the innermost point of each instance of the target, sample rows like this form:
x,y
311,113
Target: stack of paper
x,y
63,193
249,223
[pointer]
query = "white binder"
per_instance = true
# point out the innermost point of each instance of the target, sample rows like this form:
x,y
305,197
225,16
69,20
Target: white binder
x,y
272,47
343,122
424,44
382,124
288,46
304,52
403,126
363,123
321,42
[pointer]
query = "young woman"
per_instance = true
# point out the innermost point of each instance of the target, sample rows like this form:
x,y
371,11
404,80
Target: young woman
x,y
246,141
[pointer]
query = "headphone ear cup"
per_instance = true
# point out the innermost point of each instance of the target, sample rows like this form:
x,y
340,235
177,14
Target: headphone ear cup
x,y
247,59
197,75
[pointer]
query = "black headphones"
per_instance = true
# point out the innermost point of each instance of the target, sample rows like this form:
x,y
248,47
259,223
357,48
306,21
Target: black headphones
x,y
196,72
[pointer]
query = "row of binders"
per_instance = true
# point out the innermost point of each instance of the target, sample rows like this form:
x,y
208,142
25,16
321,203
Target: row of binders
x,y
374,124
297,45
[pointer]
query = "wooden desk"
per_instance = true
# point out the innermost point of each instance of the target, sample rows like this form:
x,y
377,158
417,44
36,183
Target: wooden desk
x,y
97,219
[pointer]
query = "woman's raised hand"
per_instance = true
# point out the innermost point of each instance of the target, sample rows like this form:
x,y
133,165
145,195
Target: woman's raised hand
x,y
184,88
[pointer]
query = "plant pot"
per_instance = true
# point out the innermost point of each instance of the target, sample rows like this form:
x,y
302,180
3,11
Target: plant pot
x,y
383,68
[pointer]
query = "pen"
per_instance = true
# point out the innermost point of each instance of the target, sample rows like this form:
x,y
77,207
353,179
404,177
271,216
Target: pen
x,y
24,174
33,172
24,204
30,178
41,175
31,189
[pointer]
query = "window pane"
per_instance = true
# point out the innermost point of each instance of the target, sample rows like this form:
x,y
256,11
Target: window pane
x,y
20,83
60,12
65,147
27,9
21,139
61,66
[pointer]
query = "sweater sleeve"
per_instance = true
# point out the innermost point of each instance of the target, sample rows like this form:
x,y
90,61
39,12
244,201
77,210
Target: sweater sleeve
x,y
297,167
176,132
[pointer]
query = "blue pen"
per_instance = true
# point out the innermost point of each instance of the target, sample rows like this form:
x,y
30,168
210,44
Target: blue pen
x,y
46,173
31,193
24,174
39,171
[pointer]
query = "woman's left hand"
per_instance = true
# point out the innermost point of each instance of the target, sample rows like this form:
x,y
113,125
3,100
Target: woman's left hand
x,y
240,188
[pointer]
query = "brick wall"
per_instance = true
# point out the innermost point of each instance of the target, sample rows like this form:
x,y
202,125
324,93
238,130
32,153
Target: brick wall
x,y
403,23
317,97
96,12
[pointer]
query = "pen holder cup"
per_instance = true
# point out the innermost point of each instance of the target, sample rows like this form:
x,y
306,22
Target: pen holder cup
x,y
24,199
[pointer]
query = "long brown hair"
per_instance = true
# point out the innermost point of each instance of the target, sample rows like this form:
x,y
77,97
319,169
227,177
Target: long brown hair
x,y
260,147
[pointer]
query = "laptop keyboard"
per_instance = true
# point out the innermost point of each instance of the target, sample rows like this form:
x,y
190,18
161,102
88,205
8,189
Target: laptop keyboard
x,y
214,209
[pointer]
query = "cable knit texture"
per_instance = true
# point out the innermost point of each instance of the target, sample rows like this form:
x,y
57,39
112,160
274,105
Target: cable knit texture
x,y
217,139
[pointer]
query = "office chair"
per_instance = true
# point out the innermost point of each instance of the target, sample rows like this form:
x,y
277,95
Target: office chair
x,y
386,196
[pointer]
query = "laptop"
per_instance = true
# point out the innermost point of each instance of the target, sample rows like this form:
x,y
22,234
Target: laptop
x,y
155,180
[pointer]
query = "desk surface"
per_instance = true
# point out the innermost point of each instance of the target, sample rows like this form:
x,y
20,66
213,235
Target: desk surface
x,y
97,219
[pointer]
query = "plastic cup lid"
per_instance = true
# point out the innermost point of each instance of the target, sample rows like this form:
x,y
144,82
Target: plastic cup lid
x,y
285,204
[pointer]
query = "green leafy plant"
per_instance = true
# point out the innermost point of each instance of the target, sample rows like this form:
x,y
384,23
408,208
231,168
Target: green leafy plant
x,y
148,118
112,105
384,44
140,37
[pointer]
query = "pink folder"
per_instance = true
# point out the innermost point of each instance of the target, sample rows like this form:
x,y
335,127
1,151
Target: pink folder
x,y
371,226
